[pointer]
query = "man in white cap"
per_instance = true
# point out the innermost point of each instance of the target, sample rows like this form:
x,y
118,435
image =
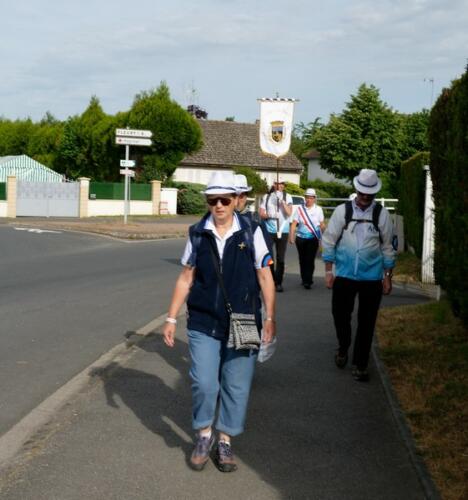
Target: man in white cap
x,y
242,189
221,246
276,208
359,241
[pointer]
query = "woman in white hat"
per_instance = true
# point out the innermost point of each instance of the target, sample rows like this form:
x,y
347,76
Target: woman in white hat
x,y
306,230
221,376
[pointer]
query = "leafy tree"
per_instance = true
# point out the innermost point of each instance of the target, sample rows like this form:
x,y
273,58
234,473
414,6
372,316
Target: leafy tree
x,y
44,141
14,136
414,130
365,135
175,132
230,118
302,139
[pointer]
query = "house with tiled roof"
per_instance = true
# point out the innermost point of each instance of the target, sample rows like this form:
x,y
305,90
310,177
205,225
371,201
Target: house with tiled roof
x,y
228,144
315,171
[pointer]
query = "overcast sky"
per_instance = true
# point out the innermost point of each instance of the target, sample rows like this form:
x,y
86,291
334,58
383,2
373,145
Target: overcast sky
x,y
56,54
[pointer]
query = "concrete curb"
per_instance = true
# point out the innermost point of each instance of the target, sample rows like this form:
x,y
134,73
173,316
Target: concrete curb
x,y
425,478
13,440
112,234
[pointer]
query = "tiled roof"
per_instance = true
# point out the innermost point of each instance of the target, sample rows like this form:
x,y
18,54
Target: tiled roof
x,y
230,144
311,154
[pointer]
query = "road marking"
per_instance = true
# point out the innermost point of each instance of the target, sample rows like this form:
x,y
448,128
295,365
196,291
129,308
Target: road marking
x,y
34,230
12,441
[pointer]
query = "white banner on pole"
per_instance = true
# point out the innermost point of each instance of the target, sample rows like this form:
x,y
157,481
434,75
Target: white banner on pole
x,y
276,118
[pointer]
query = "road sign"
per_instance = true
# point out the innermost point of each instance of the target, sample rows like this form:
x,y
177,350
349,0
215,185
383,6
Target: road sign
x,y
133,141
127,132
127,163
126,171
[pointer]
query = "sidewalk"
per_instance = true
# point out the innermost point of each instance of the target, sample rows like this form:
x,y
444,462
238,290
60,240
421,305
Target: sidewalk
x,y
137,227
312,431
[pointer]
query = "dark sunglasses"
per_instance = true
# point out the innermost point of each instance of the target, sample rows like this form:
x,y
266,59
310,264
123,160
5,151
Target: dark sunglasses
x,y
214,201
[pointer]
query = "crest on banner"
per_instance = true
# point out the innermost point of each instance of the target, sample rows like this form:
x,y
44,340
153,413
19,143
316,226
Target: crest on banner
x,y
276,117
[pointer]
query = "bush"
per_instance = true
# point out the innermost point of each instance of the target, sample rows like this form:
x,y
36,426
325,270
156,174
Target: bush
x,y
190,200
328,189
292,188
411,199
448,138
259,185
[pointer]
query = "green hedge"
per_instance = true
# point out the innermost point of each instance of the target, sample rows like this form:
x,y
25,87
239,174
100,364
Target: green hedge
x,y
2,190
328,189
115,191
448,138
411,199
190,200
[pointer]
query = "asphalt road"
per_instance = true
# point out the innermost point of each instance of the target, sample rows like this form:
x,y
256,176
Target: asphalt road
x,y
66,298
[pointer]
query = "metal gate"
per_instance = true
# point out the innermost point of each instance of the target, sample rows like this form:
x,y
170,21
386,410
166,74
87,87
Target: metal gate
x,y
48,199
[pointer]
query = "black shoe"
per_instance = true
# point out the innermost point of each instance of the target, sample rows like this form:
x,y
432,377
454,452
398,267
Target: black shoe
x,y
341,359
361,374
307,286
279,288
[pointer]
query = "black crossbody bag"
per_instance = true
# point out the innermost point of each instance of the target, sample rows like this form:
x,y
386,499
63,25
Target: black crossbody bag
x,y
243,333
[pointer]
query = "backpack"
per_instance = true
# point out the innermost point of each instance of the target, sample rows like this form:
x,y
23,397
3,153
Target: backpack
x,y
349,218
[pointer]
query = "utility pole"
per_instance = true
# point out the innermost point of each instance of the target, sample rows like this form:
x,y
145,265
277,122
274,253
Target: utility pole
x,y
431,81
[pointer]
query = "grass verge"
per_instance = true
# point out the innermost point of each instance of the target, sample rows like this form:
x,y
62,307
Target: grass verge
x,y
408,268
425,350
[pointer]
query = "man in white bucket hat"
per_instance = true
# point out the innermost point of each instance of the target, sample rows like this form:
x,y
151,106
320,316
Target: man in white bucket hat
x,y
359,241
221,375
242,189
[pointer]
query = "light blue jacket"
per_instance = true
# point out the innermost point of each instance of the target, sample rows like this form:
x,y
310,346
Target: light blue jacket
x,y
359,254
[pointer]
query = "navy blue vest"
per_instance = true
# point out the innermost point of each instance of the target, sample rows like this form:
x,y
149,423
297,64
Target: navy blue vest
x,y
206,306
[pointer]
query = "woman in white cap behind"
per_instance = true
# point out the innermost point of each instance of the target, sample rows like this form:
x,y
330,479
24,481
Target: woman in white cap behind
x,y
221,375
306,230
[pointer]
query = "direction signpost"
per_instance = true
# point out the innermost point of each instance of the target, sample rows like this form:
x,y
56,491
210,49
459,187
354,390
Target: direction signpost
x,y
130,137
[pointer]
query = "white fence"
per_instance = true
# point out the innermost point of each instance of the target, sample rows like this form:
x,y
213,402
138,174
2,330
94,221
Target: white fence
x,y
427,261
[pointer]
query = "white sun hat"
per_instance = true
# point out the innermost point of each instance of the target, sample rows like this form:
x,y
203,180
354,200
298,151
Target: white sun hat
x,y
310,192
221,183
241,184
367,182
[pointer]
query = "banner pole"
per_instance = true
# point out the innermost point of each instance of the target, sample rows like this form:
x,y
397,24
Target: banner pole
x,y
278,234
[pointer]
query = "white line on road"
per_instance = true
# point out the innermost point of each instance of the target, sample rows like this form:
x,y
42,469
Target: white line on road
x,y
34,230
12,441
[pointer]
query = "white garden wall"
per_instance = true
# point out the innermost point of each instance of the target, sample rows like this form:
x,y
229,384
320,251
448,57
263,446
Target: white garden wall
x,y
116,207
3,208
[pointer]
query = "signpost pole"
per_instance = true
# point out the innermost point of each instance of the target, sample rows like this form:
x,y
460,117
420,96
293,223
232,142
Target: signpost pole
x,y
127,157
127,137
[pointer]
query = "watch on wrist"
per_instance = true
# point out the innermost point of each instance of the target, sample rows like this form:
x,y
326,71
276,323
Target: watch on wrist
x,y
388,274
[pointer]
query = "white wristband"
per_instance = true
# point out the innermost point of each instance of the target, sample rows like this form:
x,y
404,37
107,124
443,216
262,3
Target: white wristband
x,y
328,272
171,320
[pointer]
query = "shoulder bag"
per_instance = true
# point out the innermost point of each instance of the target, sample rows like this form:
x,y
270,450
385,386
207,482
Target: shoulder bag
x,y
243,333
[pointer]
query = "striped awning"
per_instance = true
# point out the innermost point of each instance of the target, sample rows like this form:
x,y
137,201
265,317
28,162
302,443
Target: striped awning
x,y
27,169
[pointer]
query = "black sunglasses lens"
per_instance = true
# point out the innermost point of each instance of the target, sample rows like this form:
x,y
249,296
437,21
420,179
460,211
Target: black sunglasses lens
x,y
214,201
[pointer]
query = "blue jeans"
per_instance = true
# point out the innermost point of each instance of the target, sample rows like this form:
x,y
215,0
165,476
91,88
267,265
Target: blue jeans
x,y
219,373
